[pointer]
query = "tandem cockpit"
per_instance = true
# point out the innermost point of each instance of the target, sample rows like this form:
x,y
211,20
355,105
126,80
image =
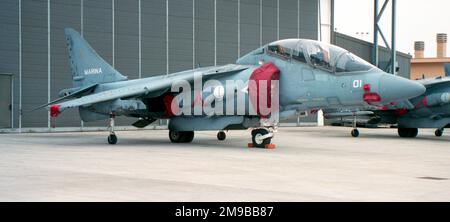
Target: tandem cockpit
x,y
320,55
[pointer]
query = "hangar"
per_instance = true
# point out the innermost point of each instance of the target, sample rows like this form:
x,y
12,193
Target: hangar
x,y
139,38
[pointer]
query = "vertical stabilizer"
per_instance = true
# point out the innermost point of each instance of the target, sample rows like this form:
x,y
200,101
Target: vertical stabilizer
x,y
86,65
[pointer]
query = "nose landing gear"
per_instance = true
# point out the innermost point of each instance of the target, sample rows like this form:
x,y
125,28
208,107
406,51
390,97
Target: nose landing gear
x,y
261,138
355,131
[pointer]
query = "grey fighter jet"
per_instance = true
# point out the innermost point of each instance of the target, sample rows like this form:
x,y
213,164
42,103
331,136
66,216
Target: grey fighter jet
x,y
429,110
286,76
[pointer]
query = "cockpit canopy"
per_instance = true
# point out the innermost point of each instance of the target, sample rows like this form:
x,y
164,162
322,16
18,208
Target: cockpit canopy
x,y
320,55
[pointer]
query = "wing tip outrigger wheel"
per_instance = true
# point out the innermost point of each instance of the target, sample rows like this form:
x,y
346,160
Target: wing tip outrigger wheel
x,y
439,132
112,138
355,132
221,135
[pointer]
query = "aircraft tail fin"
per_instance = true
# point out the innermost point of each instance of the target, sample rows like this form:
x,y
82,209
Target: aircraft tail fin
x,y
86,66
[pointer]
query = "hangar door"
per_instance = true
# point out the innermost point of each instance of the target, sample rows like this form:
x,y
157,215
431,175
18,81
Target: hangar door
x,y
5,101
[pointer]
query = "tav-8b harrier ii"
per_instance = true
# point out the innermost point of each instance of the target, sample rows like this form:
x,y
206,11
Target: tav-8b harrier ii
x,y
274,81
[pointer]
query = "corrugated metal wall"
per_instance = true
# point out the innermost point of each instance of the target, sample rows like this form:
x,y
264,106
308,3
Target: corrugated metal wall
x,y
204,32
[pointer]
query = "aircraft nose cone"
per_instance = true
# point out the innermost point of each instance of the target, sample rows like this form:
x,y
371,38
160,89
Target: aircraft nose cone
x,y
394,88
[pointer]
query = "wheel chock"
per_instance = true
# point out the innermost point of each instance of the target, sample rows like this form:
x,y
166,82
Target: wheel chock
x,y
268,146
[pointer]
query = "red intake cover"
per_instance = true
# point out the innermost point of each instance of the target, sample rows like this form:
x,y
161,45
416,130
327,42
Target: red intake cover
x,y
54,110
167,99
266,72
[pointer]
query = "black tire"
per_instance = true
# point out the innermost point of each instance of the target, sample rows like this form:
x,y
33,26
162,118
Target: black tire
x,y
413,132
407,132
402,132
181,136
439,132
187,136
112,139
221,135
355,132
260,143
174,136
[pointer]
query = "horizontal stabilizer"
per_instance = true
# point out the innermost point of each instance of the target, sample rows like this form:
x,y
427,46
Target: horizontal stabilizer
x,y
69,95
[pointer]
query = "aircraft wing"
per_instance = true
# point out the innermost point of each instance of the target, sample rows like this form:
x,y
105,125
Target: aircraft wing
x,y
430,83
138,88
76,93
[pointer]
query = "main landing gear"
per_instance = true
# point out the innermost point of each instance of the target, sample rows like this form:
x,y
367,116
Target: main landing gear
x,y
181,136
112,138
407,132
439,132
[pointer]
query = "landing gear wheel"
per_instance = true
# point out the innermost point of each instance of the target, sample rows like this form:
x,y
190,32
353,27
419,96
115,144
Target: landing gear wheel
x,y
355,132
439,132
407,132
174,136
112,139
187,136
181,136
221,135
258,139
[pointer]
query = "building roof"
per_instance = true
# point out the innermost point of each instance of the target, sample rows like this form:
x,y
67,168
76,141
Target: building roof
x,y
431,60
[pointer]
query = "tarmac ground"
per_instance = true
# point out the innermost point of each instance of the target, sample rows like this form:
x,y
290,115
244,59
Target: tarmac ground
x,y
308,164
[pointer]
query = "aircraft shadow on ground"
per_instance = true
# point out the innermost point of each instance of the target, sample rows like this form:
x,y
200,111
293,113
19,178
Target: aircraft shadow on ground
x,y
90,141
443,139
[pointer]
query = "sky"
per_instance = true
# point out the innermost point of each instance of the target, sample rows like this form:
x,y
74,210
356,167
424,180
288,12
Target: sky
x,y
417,20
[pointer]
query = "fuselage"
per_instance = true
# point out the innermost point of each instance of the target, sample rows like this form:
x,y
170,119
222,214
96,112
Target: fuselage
x,y
306,82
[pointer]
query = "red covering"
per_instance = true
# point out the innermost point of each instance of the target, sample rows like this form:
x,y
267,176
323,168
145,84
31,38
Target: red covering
x,y
401,112
266,72
168,104
371,97
54,110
